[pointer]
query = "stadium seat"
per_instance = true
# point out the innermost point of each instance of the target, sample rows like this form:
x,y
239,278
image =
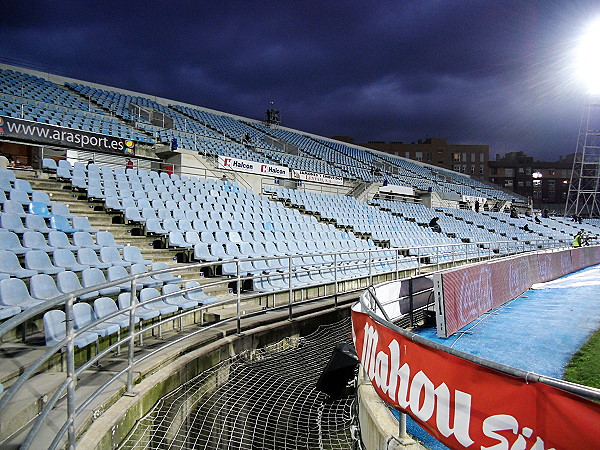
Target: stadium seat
x,y
142,312
112,256
10,241
39,261
93,277
18,196
61,223
84,315
133,254
13,292
49,165
163,307
63,257
68,282
166,277
105,306
89,257
197,294
58,239
14,207
61,209
55,330
43,287
83,239
147,281
7,312
12,222
83,224
116,273
34,240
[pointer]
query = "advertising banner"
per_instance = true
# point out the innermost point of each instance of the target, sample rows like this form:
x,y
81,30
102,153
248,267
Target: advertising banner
x,y
51,134
318,177
241,165
468,406
464,294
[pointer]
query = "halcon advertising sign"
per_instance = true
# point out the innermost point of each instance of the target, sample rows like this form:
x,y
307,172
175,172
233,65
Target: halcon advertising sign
x,y
67,137
466,405
241,165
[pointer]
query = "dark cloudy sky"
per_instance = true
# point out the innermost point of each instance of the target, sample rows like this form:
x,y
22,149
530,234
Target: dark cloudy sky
x,y
497,72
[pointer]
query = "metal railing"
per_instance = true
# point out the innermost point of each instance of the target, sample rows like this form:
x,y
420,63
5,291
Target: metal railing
x,y
366,265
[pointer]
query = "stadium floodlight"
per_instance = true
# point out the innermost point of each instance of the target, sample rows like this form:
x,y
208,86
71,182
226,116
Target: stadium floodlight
x,y
588,57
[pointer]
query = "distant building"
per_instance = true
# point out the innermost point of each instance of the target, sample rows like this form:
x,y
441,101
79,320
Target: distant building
x,y
546,183
468,159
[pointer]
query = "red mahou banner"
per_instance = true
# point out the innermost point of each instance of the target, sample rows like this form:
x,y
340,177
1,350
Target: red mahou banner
x,y
469,406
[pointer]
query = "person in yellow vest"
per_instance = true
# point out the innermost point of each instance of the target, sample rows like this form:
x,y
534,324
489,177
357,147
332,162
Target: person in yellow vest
x,y
578,238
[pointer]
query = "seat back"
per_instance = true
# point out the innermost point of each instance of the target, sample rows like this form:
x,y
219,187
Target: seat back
x,y
54,326
43,287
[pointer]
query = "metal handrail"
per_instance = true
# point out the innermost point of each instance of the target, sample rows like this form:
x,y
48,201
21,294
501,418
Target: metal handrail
x,y
67,301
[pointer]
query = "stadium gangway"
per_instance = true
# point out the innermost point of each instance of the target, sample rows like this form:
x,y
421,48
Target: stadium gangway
x,y
77,407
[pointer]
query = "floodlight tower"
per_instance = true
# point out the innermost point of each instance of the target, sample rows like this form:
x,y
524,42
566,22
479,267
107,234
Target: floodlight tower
x,y
583,197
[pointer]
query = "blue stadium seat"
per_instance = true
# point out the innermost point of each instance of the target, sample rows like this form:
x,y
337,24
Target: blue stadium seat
x,y
106,306
61,223
43,287
83,224
13,207
112,256
93,277
58,239
84,315
65,258
147,281
11,242
19,196
133,254
39,261
196,293
166,277
13,292
55,330
176,298
83,239
89,257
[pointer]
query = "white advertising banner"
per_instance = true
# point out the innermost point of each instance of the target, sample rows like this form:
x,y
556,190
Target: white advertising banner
x,y
472,199
395,189
318,177
241,165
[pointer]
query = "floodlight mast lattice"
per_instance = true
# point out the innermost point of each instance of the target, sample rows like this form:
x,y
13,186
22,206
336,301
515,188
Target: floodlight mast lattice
x,y
583,197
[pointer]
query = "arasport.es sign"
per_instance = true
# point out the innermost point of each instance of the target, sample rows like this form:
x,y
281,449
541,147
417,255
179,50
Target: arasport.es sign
x,y
51,134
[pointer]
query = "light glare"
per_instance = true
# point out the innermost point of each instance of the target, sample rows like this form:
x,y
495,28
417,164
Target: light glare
x,y
589,58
